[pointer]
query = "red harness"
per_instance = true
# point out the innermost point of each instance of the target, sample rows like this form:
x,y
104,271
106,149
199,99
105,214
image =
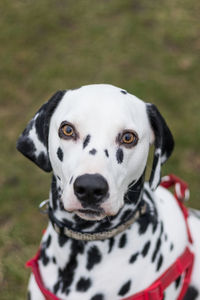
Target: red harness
x,y
183,264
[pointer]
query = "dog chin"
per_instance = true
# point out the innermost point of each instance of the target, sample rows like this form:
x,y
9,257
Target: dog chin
x,y
90,215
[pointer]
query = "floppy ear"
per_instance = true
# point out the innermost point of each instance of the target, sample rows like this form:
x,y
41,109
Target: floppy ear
x,y
33,142
163,143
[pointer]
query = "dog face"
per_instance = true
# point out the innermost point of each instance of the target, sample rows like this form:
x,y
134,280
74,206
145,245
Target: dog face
x,y
95,134
96,139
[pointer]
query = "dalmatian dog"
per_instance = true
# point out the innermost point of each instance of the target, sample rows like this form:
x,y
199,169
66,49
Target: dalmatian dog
x,y
110,233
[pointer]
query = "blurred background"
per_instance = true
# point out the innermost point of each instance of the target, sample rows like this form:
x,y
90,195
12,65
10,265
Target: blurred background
x,y
149,47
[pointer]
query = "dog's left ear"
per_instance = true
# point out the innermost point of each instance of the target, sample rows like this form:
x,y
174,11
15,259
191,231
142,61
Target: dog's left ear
x,y
163,142
33,142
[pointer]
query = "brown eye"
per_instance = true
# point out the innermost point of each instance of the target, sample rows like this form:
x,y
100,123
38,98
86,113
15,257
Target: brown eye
x,y
67,131
129,138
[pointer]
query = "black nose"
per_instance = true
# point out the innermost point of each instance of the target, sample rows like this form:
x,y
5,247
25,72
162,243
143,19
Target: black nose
x,y
90,189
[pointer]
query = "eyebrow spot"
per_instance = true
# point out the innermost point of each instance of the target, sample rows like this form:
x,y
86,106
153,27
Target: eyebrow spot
x,y
106,152
93,151
119,155
86,141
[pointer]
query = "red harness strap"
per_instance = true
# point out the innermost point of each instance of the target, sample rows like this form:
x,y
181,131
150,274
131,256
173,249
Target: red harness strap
x,y
181,193
33,264
183,264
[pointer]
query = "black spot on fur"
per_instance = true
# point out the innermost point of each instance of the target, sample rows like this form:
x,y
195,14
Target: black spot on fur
x,y
123,92
157,248
146,248
48,241
111,244
56,287
125,288
106,152
177,282
122,241
54,192
119,155
83,284
93,151
93,257
62,240
86,141
58,177
143,223
66,275
160,262
171,246
161,228
191,294
98,297
60,154
54,260
133,258
44,258
70,182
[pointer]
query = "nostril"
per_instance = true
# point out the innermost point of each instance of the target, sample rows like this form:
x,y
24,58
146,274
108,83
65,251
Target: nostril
x,y
80,191
99,193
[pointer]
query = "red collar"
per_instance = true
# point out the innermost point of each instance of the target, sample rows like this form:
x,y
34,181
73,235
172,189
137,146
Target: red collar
x,y
182,265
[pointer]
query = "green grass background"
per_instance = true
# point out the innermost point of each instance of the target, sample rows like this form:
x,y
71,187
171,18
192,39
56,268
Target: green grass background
x,y
149,47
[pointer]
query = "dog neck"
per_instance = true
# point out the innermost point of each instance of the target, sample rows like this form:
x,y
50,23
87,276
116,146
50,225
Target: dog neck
x,y
73,226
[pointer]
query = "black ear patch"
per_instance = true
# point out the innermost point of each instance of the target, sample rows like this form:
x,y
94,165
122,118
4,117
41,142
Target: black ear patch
x,y
164,143
33,142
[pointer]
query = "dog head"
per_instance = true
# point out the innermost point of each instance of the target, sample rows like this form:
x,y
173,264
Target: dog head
x,y
96,140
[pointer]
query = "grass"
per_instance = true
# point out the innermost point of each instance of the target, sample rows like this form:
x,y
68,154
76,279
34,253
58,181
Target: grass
x,y
151,48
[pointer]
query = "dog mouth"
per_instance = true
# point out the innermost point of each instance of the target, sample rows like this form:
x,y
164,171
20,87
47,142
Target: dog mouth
x,y
91,214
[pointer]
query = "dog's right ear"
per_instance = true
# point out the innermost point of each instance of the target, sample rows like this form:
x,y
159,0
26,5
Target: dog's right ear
x,y
33,142
163,142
